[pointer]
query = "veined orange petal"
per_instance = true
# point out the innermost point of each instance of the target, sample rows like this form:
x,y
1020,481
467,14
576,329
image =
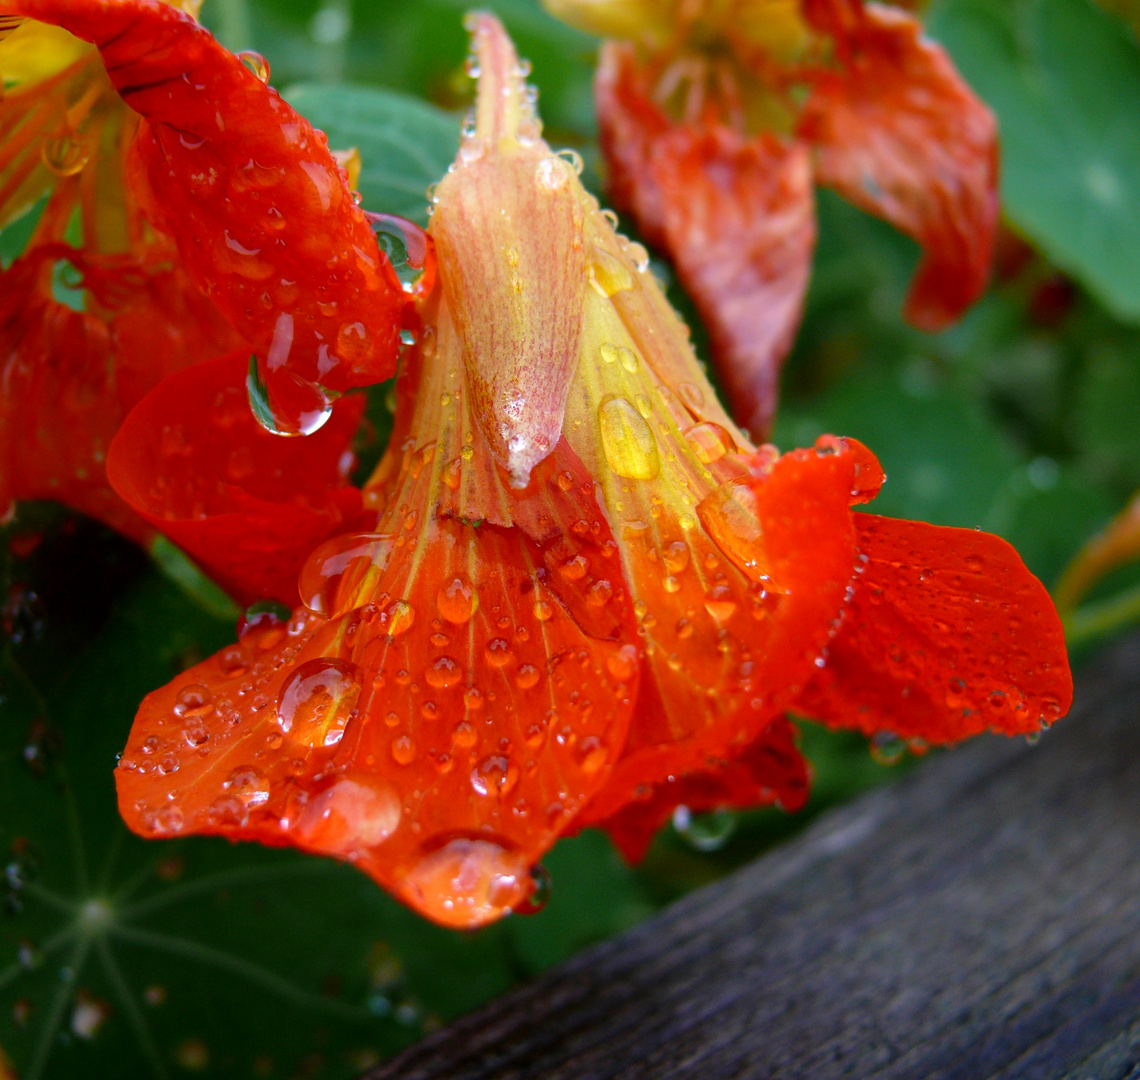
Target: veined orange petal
x,y
247,505
262,214
736,612
898,132
946,635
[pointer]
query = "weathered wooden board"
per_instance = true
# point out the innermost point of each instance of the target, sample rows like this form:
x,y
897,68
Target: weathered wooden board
x,y
979,920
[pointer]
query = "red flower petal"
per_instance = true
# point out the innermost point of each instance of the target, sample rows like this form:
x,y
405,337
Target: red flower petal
x,y
946,635
70,377
769,770
899,133
440,733
735,214
747,646
261,212
248,505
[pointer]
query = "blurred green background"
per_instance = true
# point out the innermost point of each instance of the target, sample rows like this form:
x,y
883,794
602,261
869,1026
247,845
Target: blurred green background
x,y
120,958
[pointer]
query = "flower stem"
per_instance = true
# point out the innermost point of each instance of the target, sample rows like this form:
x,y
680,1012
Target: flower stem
x,y
1098,620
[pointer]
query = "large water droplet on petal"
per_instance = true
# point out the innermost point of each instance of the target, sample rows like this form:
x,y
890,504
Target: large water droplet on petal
x,y
731,519
256,63
710,442
443,672
705,832
467,882
457,600
284,403
339,576
627,441
317,701
248,784
409,249
354,814
66,155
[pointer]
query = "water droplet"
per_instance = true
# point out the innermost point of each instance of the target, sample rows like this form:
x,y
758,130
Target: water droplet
x,y
623,663
233,661
409,249
704,832
498,653
457,600
730,517
66,155
551,174
316,701
356,813
398,618
643,405
256,63
887,748
495,775
615,354
608,274
573,159
341,574
628,443
692,395
193,700
248,784
591,754
527,676
283,403
442,673
464,736
403,750
467,882
676,556
720,603
543,612
710,442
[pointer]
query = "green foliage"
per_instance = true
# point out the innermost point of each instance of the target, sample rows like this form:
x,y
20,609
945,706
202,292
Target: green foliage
x,y
1064,80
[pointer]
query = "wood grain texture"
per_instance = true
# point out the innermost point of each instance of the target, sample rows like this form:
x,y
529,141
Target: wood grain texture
x,y
979,920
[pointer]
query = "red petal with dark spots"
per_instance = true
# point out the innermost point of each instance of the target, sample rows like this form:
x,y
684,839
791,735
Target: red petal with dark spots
x,y
946,635
898,132
248,505
262,213
70,377
737,216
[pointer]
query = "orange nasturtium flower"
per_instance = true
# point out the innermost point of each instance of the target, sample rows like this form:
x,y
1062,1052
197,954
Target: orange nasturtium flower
x,y
715,118
576,593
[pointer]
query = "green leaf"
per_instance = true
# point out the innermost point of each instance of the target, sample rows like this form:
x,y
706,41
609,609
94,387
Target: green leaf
x,y
405,144
1064,80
